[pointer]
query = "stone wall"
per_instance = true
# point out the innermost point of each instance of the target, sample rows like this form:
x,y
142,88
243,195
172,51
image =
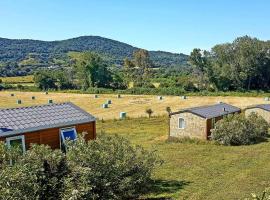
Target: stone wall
x,y
195,126
265,114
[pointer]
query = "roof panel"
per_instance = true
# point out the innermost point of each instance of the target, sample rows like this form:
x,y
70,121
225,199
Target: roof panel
x,y
20,120
212,111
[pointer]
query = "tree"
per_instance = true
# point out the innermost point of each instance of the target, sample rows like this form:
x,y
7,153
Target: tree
x,y
143,64
92,71
64,80
169,110
202,70
138,69
149,111
45,80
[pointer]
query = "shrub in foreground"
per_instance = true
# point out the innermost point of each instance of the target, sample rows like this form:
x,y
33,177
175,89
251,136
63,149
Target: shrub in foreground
x,y
240,130
108,168
265,195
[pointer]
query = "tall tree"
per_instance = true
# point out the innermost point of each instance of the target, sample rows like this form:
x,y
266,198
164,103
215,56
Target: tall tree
x,y
92,71
138,70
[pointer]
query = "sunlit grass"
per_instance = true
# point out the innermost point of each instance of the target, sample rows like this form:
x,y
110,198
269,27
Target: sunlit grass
x,y
197,170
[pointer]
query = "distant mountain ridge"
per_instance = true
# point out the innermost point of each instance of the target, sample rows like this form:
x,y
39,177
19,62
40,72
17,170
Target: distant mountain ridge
x,y
19,57
45,52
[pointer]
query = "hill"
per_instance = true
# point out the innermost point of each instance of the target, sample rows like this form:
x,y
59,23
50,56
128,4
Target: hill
x,y
25,53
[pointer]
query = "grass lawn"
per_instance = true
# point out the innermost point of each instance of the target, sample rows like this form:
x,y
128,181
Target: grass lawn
x,y
197,171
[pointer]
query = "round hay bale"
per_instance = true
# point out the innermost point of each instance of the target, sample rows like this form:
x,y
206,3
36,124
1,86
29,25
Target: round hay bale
x,y
122,115
160,97
105,105
109,101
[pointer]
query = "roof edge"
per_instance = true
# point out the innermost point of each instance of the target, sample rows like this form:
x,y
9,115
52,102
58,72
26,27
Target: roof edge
x,y
40,128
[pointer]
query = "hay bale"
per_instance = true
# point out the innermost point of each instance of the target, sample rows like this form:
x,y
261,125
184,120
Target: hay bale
x,y
33,97
50,101
122,115
19,101
109,101
105,105
160,97
183,97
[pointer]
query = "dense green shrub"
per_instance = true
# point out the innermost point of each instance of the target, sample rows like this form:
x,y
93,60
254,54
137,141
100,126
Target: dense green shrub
x,y
107,168
240,130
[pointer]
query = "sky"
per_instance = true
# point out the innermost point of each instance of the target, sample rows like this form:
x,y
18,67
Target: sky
x,y
169,25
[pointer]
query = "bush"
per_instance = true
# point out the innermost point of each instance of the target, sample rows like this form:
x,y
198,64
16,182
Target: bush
x,y
239,130
107,168
265,195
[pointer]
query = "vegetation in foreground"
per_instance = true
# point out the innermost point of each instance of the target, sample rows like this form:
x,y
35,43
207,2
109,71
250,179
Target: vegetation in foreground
x,y
107,168
240,130
197,170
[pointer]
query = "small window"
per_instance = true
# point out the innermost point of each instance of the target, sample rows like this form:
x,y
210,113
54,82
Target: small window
x,y
67,134
16,142
181,123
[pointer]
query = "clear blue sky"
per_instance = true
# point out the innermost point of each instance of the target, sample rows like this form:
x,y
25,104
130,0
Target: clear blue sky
x,y
170,25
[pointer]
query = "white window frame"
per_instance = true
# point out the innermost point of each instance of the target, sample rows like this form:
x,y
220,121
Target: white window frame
x,y
184,123
62,135
9,139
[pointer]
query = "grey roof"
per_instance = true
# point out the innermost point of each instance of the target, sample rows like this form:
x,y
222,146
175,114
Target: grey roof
x,y
211,111
262,106
28,119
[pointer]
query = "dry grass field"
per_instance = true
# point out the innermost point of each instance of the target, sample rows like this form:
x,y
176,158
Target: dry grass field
x,y
133,105
18,79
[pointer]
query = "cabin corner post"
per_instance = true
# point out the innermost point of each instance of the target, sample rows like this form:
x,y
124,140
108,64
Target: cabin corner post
x,y
94,130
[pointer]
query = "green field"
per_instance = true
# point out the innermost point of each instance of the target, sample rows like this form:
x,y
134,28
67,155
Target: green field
x,y
197,171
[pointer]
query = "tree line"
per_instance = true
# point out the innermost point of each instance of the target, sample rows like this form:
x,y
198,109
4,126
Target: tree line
x,y
242,65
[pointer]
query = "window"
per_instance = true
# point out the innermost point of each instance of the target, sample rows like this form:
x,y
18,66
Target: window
x,y
67,134
181,123
16,142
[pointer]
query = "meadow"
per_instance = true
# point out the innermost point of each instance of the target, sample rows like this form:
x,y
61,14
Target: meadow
x,y
133,105
191,169
196,170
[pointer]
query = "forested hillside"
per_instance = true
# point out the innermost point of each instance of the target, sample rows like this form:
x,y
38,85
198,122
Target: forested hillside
x,y
23,56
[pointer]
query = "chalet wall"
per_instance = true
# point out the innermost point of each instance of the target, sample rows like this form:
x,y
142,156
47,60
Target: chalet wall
x,y
195,126
51,136
265,114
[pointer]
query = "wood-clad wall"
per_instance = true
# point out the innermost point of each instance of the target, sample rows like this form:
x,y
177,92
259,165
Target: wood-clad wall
x,y
51,136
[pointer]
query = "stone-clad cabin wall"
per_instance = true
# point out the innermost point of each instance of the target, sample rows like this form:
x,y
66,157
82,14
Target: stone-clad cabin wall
x,y
195,126
261,112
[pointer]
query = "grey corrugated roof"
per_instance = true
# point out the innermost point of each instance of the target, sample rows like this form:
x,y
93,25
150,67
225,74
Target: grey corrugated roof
x,y
29,119
262,106
211,111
